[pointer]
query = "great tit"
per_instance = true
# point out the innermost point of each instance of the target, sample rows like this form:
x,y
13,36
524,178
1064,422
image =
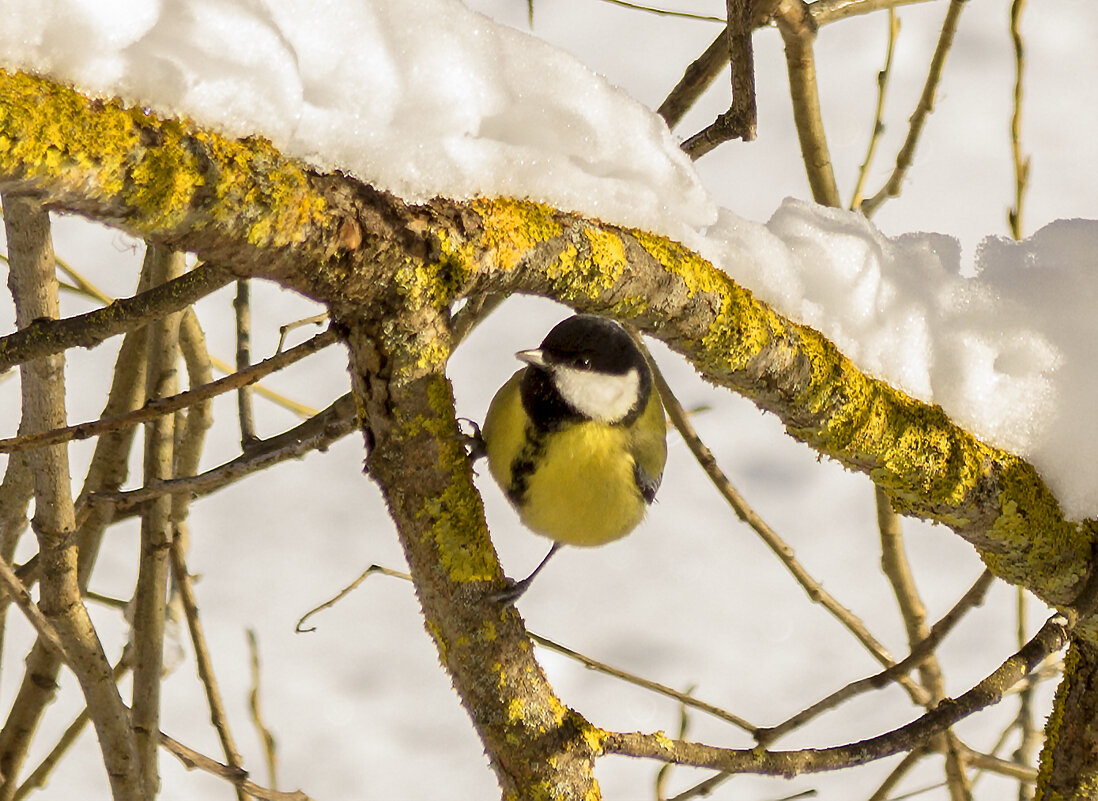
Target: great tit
x,y
577,438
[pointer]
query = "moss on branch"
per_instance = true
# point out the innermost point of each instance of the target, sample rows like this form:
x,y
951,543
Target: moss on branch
x,y
367,254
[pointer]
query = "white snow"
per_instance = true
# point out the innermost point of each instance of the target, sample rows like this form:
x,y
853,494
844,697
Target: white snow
x,y
425,98
420,97
1007,352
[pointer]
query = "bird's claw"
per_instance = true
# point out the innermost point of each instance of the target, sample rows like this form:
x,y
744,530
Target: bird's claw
x,y
474,444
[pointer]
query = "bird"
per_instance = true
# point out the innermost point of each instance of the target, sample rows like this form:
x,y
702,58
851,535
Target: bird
x,y
577,438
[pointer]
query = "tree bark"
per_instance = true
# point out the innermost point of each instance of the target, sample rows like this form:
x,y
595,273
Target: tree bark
x,y
390,272
1069,760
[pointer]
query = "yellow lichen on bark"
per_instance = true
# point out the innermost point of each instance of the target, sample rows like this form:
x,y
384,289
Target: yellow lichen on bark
x,y
152,173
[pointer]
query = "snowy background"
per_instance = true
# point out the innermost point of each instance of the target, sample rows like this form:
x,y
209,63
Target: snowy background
x,y
360,707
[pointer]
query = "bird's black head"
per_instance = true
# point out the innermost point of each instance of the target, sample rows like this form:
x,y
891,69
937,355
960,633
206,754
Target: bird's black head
x,y
587,368
591,343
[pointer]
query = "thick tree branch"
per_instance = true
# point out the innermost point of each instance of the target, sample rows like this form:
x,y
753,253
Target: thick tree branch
x,y
355,248
415,455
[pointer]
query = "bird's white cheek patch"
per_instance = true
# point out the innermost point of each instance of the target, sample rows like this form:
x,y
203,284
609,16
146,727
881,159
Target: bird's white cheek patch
x,y
602,397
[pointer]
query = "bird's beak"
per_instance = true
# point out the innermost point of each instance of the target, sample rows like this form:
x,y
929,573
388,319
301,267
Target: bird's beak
x,y
534,357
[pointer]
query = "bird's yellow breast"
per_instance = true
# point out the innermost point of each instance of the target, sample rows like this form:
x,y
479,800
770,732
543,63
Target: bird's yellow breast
x,y
576,485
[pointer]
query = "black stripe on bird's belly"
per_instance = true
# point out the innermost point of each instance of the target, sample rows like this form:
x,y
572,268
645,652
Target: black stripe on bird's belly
x,y
523,465
547,412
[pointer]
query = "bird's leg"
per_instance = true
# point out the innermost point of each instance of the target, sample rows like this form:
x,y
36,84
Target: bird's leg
x,y
475,447
515,589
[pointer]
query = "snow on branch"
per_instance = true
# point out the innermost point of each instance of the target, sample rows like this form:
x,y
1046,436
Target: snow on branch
x,y
243,206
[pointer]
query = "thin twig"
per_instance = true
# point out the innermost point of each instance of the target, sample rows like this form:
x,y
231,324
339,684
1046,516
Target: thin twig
x,y
218,717
365,574
704,788
781,549
277,398
663,12
897,570
878,115
697,78
705,68
906,155
1021,161
1029,735
198,419
165,406
662,689
149,604
1052,637
242,305
88,289
885,788
316,433
21,596
741,119
1026,776
919,652
44,337
192,759
683,698
664,772
825,12
283,330
16,491
270,749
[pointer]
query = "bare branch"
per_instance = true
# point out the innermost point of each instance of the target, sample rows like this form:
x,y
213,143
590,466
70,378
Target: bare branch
x,y
828,11
662,689
906,155
43,337
878,114
663,12
38,777
315,434
164,406
919,653
884,790
1051,638
150,598
798,30
218,717
33,282
270,750
242,304
740,121
706,67
20,595
697,78
192,759
771,538
1021,161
